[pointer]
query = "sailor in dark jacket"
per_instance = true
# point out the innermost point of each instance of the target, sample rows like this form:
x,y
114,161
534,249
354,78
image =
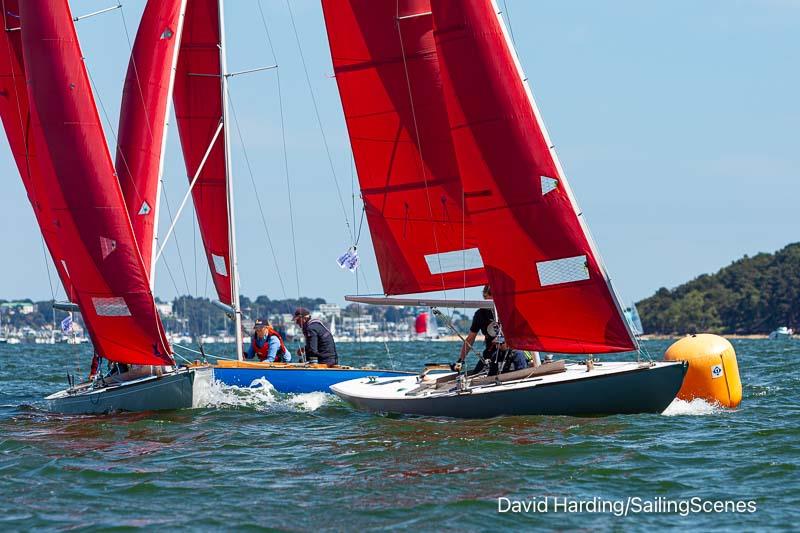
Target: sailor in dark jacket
x,y
319,339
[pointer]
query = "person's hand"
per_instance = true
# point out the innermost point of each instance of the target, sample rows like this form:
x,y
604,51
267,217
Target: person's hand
x,y
301,351
457,366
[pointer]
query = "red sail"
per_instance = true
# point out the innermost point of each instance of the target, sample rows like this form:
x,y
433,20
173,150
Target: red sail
x,y
387,71
198,108
143,117
91,220
421,324
548,284
16,115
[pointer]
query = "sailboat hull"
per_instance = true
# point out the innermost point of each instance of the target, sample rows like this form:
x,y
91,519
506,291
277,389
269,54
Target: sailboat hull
x,y
292,377
180,389
607,389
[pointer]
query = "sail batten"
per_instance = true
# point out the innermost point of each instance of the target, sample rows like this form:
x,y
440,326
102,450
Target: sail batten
x,y
387,72
90,216
549,286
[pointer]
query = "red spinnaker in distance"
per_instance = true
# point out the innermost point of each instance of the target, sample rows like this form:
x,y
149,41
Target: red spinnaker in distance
x,y
143,115
548,285
17,120
198,108
387,72
106,269
421,324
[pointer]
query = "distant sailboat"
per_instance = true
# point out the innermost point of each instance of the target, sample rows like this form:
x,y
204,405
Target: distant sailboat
x,y
780,333
462,186
635,322
55,132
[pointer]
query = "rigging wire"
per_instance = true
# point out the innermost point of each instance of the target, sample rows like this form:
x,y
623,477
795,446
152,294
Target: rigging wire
x,y
319,122
255,191
177,244
171,277
47,268
283,143
508,18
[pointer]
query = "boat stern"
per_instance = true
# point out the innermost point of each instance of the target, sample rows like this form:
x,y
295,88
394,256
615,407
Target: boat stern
x,y
202,380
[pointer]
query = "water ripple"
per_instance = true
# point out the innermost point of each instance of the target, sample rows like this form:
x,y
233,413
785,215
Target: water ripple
x,y
253,458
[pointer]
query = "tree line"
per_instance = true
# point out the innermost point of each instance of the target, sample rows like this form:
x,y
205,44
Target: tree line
x,y
751,295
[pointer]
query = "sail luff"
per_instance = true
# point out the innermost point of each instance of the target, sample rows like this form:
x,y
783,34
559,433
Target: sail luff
x,y
557,161
144,115
160,183
549,287
100,249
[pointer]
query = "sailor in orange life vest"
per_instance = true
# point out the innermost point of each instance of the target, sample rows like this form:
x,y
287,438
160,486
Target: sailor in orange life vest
x,y
319,339
267,344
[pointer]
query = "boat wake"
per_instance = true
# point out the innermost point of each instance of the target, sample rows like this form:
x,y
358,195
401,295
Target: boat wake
x,y
695,407
261,396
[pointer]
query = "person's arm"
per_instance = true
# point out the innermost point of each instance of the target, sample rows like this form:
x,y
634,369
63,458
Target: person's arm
x,y
250,353
465,348
95,365
312,342
474,328
274,346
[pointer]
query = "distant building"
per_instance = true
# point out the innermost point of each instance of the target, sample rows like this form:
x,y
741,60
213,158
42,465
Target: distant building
x,y
164,308
330,310
17,308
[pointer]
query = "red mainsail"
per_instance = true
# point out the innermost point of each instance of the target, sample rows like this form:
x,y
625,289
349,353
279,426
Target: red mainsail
x,y
384,57
143,117
548,283
17,119
198,108
99,248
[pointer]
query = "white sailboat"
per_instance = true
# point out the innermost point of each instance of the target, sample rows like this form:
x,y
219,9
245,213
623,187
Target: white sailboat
x,y
462,186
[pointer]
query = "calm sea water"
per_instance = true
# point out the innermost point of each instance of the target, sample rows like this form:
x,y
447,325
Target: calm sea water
x,y
255,459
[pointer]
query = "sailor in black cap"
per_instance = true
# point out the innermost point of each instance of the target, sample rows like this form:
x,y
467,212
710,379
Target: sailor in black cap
x,y
319,339
267,344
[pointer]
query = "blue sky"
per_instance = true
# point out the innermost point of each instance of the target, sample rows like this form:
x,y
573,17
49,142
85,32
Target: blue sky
x,y
676,122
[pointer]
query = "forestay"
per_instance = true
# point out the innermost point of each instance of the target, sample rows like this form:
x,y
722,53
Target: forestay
x,y
548,283
99,248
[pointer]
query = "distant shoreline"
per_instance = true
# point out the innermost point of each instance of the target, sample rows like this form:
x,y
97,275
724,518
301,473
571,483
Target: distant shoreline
x,y
658,337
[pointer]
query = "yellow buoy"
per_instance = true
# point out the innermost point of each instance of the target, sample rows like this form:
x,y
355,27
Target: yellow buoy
x,y
713,373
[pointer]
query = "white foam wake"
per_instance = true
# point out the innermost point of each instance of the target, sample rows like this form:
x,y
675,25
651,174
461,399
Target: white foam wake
x,y
696,407
260,395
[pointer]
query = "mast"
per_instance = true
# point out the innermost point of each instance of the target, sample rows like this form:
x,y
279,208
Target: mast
x,y
234,267
159,183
